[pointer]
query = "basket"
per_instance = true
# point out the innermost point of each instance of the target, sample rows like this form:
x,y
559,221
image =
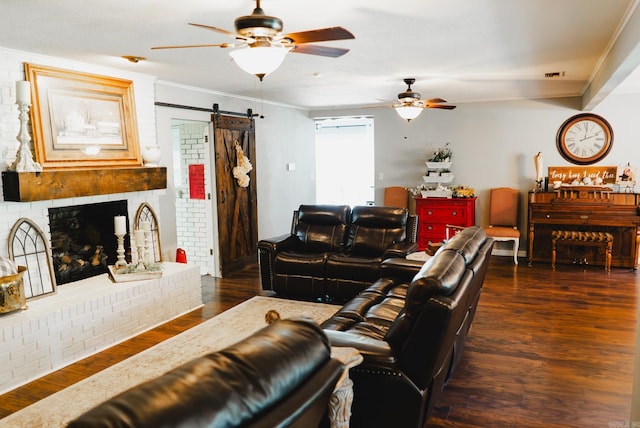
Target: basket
x,y
12,292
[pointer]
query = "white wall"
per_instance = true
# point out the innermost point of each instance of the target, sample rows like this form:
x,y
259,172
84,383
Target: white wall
x,y
493,142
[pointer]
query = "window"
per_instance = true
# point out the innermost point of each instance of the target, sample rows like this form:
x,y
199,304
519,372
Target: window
x,y
345,161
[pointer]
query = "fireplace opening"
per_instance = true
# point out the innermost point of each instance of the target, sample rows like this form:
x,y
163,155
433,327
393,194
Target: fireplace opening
x,y
83,243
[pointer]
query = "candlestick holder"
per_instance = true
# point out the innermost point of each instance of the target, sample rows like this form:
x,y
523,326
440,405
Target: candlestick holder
x,y
147,247
120,262
141,256
24,158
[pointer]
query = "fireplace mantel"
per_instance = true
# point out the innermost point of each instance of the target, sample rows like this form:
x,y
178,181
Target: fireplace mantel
x,y
71,183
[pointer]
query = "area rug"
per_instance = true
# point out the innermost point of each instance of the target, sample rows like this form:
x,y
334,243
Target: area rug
x,y
212,335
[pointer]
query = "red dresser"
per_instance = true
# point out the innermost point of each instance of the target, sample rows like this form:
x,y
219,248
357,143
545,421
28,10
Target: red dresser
x,y
435,213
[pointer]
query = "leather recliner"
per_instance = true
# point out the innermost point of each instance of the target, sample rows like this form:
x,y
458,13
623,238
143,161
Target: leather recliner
x,y
281,376
333,251
410,326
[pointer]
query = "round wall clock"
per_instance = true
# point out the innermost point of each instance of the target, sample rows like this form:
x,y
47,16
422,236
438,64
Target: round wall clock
x,y
584,139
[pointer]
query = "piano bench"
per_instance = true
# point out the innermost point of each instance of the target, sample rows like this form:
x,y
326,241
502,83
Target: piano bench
x,y
603,240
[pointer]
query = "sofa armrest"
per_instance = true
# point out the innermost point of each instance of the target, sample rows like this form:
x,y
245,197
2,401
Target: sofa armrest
x,y
372,350
267,250
401,249
279,243
400,268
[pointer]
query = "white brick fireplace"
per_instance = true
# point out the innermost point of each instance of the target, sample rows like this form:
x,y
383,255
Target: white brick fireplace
x,y
89,315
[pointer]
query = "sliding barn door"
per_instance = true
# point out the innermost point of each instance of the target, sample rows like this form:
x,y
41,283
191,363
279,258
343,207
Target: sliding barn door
x,y
236,205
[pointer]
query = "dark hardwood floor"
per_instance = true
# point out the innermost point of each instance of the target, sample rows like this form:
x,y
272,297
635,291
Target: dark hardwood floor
x,y
546,349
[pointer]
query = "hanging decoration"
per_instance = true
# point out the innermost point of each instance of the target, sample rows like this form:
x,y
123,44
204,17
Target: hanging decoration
x,y
241,172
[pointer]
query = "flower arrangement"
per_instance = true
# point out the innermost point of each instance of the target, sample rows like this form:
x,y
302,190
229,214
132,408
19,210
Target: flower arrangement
x,y
241,171
464,192
442,154
417,191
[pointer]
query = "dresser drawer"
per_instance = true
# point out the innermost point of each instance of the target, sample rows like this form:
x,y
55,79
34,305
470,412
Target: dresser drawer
x,y
425,238
443,214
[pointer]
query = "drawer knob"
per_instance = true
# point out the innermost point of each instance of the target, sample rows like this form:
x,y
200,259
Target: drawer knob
x,y
454,213
430,227
430,212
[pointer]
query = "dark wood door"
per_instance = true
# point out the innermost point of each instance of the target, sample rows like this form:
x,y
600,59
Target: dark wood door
x,y
237,206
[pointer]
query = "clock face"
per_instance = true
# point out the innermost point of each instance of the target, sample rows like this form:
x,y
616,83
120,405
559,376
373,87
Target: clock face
x,y
584,139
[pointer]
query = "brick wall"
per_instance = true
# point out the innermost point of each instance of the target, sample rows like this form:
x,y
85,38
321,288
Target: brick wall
x,y
88,316
194,217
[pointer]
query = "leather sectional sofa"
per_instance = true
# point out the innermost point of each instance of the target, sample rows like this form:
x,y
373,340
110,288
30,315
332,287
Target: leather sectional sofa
x,y
281,376
411,326
333,252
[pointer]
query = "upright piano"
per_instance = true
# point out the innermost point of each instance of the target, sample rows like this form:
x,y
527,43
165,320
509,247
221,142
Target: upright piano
x,y
584,210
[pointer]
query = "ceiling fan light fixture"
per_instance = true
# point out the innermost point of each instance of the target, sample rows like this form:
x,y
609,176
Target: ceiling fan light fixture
x,y
260,60
408,112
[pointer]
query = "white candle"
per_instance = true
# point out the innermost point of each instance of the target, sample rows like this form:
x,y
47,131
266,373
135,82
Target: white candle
x,y
23,92
139,236
146,226
120,225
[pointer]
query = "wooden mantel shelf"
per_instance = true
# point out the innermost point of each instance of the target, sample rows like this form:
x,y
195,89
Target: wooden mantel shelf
x,y
71,183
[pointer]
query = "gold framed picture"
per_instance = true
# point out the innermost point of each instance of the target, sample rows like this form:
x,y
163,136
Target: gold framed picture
x,y
82,120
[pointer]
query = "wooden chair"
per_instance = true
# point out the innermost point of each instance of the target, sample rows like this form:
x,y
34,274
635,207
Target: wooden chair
x,y
396,196
503,217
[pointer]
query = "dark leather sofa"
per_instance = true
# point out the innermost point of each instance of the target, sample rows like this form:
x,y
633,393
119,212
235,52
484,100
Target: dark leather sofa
x,y
281,376
333,252
411,326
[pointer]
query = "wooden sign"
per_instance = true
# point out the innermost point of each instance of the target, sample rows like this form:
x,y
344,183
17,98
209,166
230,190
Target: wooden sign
x,y
576,175
196,181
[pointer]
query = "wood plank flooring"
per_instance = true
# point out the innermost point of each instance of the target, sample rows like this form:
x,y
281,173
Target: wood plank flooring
x,y
547,348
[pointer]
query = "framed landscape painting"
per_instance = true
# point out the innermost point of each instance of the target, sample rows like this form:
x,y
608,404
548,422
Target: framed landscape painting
x,y
82,120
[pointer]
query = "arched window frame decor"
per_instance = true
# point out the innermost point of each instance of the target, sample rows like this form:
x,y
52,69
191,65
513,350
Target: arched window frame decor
x,y
28,247
145,213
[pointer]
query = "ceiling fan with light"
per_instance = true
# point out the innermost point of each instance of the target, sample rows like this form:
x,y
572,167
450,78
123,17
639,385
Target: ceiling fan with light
x,y
409,105
264,45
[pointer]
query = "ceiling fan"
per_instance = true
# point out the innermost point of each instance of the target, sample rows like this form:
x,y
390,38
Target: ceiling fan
x,y
264,44
409,105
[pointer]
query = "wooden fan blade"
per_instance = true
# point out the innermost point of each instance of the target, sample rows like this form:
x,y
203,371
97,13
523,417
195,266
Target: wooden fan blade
x,y
219,30
435,101
446,107
319,50
219,45
320,35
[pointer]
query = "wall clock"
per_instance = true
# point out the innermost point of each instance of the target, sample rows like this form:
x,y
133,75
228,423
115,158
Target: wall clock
x,y
584,139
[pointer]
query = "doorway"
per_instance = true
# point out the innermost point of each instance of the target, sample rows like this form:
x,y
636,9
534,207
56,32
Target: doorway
x,y
345,170
195,213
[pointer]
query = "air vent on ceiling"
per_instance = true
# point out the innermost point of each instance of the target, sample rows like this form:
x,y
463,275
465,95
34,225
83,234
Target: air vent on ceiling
x,y
554,75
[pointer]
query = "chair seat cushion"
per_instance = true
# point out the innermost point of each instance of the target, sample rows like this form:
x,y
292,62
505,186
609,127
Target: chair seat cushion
x,y
502,232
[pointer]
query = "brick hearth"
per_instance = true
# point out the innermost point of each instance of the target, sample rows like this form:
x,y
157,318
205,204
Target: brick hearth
x,y
88,316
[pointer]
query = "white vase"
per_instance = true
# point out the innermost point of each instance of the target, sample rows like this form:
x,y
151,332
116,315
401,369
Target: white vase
x,y
151,156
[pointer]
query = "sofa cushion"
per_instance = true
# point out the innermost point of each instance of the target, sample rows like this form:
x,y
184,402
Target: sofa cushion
x,y
468,242
233,387
439,276
351,266
306,264
322,228
373,229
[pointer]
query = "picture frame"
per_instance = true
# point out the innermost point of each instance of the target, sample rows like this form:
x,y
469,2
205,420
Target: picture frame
x,y
82,120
